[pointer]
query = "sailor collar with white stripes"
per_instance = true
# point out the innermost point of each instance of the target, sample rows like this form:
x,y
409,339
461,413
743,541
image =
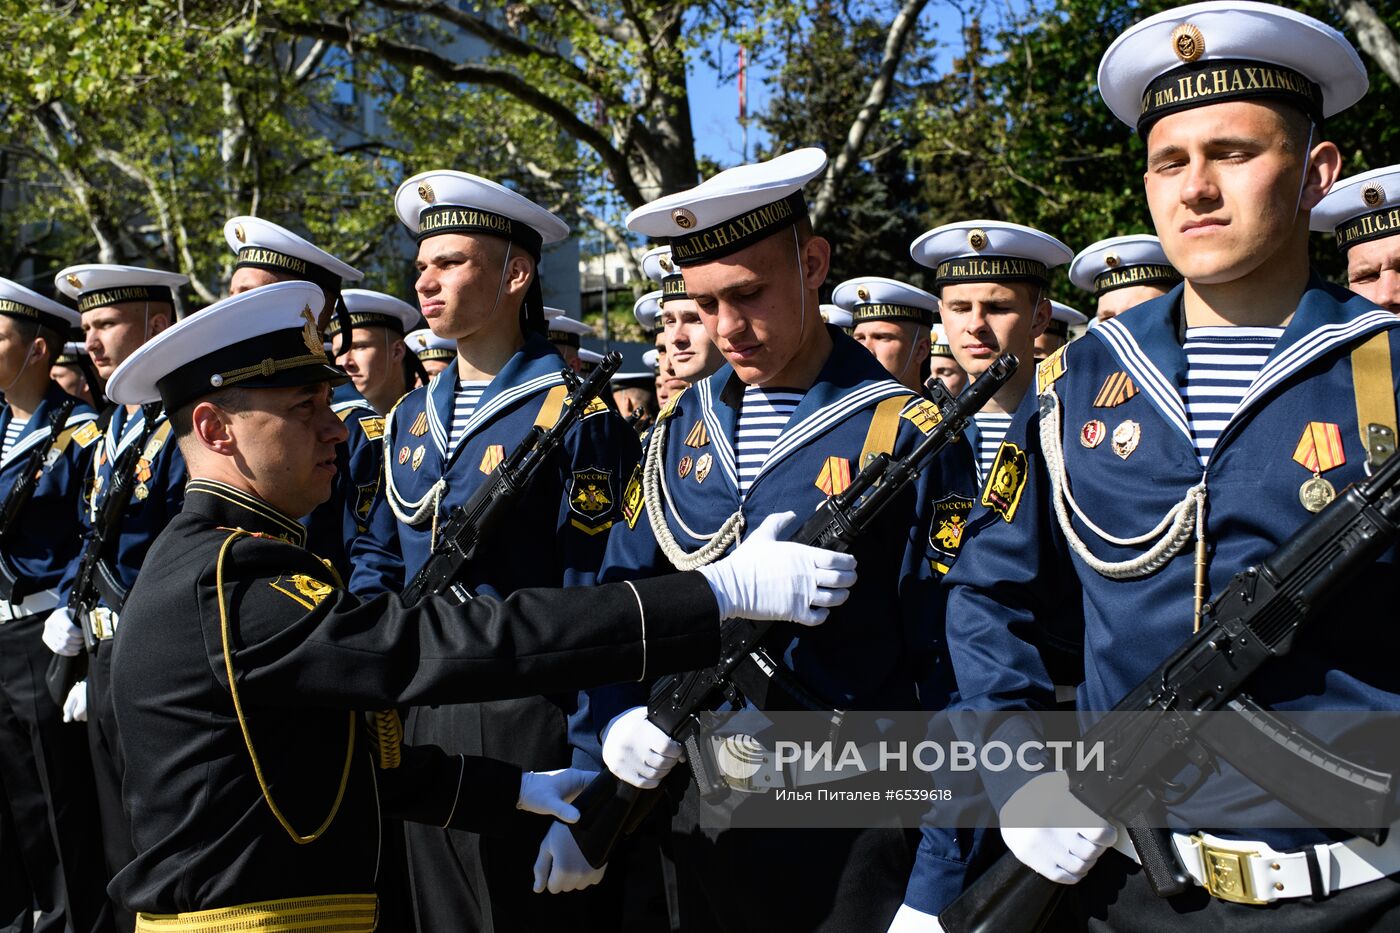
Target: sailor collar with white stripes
x,y
1149,343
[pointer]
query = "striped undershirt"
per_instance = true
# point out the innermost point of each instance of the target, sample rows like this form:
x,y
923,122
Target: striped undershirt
x,y
1221,364
991,431
464,404
13,430
764,414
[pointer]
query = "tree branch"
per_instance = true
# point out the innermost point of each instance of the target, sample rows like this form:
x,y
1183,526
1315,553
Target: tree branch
x,y
1372,34
416,56
895,42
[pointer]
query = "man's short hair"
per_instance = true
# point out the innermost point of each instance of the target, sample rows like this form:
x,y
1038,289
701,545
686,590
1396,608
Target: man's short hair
x,y
232,399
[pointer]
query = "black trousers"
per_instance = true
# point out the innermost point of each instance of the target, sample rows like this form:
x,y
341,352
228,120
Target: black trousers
x,y
795,880
46,772
1116,896
107,767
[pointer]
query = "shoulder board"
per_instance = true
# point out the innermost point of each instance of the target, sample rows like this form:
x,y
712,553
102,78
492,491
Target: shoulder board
x,y
594,407
156,441
1050,369
671,405
922,414
85,433
373,427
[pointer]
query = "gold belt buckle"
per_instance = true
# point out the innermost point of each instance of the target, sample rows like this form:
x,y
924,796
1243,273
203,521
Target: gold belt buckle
x,y
98,626
1227,875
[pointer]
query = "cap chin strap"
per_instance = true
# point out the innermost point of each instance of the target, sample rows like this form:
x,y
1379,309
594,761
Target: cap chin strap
x,y
913,345
801,286
1307,164
22,367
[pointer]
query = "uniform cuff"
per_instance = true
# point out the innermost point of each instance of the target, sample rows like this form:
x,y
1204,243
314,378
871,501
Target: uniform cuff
x,y
680,623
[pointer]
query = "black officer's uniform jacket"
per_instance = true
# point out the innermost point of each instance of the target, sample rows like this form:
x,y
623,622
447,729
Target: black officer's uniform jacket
x,y
304,653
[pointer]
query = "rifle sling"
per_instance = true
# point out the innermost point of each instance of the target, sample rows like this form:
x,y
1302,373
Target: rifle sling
x,y
1372,379
114,503
552,407
21,491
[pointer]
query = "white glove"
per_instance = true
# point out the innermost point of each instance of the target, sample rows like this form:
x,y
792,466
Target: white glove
x,y
560,866
638,752
909,920
548,792
768,579
61,635
1063,855
75,707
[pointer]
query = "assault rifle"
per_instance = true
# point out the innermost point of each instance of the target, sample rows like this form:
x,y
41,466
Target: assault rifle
x,y
1256,618
95,580
23,489
469,527
608,807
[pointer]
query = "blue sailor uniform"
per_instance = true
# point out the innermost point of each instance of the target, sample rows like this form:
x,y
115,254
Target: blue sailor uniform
x,y
335,524
558,538
883,649
1125,381
157,495
44,765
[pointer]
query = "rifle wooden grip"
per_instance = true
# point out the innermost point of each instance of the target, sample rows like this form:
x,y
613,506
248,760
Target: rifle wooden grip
x,y
1009,898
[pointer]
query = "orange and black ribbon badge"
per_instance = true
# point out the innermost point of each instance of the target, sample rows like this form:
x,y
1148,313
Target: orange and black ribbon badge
x,y
1116,390
492,458
419,427
835,475
699,436
1319,450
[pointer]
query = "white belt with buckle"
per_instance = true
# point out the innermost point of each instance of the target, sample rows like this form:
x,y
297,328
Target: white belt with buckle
x,y
33,604
1245,872
103,622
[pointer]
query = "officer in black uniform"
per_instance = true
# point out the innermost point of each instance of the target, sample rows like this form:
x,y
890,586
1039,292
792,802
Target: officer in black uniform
x,y
237,666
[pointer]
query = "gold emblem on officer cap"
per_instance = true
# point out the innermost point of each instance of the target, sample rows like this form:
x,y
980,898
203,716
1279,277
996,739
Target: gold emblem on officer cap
x,y
1188,43
425,191
683,218
977,239
1112,261
76,282
238,232
1373,195
309,334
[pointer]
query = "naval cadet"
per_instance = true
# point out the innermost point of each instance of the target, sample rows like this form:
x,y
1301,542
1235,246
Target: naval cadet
x,y
690,353
1235,405
267,253
136,486
240,663
634,397
479,246
1122,272
1364,213
943,365
433,352
47,441
892,320
991,278
72,370
567,335
1056,335
375,357
787,421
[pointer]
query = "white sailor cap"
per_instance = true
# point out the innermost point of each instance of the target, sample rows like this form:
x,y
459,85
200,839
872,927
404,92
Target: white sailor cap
x,y
588,359
630,379
96,285
732,210
263,338
646,309
1361,208
427,345
652,359
1121,262
25,304
939,338
564,329
375,309
658,266
1207,53
446,201
988,251
837,315
72,354
1061,317
875,298
262,244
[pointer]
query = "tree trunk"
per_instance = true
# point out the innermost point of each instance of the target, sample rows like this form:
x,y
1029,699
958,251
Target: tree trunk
x,y
1373,35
